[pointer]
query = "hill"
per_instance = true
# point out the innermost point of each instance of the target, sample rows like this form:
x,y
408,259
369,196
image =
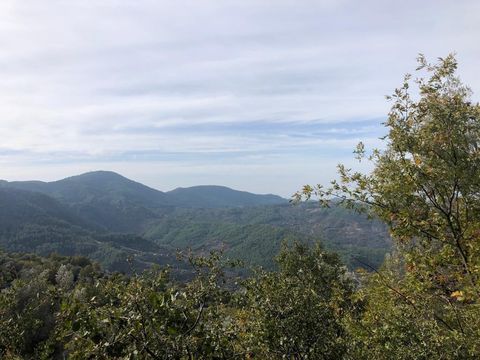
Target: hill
x,y
255,244
104,198
35,222
20,206
74,216
209,196
118,204
254,234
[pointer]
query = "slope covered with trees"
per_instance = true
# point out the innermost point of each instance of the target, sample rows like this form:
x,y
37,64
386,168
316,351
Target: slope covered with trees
x,y
116,203
74,216
252,233
208,196
103,198
33,222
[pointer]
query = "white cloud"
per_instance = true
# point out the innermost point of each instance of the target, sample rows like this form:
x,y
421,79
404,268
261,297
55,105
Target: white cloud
x,y
80,78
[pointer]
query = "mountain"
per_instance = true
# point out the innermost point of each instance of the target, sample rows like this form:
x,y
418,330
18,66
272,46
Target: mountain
x,y
18,207
118,204
103,185
35,222
254,234
108,217
104,198
209,196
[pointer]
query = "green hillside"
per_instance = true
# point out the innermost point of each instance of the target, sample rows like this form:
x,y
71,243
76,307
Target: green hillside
x,y
254,234
219,197
104,198
255,244
34,222
115,203
75,216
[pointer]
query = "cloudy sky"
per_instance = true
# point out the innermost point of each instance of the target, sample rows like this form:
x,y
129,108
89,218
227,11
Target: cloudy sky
x,y
258,95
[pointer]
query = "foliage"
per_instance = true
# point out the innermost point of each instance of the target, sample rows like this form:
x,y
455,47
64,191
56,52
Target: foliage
x,y
399,317
297,312
425,186
147,316
69,308
31,221
31,292
254,234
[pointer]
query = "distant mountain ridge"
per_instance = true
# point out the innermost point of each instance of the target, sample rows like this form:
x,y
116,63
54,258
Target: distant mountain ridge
x,y
214,196
103,198
101,183
112,201
111,219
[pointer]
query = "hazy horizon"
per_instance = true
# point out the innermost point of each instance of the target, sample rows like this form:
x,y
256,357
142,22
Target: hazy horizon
x,y
153,187
258,96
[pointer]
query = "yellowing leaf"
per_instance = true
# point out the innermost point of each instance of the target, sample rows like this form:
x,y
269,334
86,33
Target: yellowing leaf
x,y
458,295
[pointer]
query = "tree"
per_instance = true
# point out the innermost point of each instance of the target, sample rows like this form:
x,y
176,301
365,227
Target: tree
x,y
426,186
148,316
297,312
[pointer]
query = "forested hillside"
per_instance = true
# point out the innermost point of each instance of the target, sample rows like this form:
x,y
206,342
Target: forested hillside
x,y
34,222
103,198
109,218
219,197
118,204
262,229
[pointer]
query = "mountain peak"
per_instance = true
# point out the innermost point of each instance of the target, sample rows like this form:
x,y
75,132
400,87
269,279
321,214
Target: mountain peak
x,y
112,189
97,175
213,196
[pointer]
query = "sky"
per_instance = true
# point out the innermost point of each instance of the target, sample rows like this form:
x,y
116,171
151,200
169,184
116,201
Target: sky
x,y
258,95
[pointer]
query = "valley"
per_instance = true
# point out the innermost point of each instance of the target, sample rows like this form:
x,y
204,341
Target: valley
x,y
125,225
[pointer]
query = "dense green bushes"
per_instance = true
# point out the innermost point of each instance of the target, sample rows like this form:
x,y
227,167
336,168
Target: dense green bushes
x,y
55,307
